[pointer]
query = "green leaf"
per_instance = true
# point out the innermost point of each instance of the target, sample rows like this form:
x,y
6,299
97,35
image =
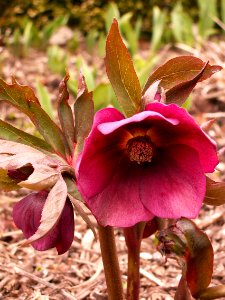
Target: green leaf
x,y
159,20
65,114
207,11
10,133
222,4
23,98
215,192
121,73
182,25
72,84
129,32
84,113
89,75
179,75
90,40
51,27
101,45
44,99
101,96
7,184
112,12
57,59
144,67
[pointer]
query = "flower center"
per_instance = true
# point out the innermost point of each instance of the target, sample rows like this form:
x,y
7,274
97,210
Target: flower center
x,y
140,149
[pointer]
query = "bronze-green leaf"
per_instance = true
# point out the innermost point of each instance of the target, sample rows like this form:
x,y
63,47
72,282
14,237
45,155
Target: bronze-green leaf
x,y
65,114
84,113
215,192
24,99
179,75
121,72
11,133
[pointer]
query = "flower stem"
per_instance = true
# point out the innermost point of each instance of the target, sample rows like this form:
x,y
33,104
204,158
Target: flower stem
x,y
133,237
111,263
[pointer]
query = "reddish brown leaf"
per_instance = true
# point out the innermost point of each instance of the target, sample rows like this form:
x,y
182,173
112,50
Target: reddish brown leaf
x,y
199,259
215,192
65,113
180,74
183,292
188,243
84,113
179,93
121,72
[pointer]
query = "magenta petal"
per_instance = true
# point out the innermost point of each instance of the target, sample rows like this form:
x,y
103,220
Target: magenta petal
x,y
65,228
27,212
27,216
99,157
175,186
111,126
98,165
119,203
107,115
187,132
150,228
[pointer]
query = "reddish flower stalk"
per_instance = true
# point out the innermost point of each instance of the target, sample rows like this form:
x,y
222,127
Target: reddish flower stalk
x,y
133,236
110,262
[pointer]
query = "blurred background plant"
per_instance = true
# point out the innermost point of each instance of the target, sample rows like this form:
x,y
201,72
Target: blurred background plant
x,y
72,34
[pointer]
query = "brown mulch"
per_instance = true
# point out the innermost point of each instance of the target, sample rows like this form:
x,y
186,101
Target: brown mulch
x,y
78,274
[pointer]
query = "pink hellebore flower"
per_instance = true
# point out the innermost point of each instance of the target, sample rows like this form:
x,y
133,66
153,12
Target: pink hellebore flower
x,y
151,164
27,215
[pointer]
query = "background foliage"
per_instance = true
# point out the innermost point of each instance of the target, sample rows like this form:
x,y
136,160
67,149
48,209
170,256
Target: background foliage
x,y
84,14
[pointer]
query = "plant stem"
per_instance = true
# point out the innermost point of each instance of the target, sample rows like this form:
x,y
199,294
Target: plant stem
x,y
111,263
133,237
